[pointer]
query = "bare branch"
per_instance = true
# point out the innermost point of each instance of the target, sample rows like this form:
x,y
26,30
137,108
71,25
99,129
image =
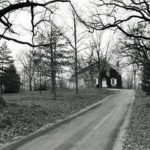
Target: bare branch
x,y
7,8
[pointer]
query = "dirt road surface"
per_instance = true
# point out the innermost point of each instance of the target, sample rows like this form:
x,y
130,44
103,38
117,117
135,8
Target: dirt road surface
x,y
95,130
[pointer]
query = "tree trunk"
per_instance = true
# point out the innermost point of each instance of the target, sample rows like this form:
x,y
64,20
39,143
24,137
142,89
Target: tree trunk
x,y
76,54
53,79
2,79
134,77
76,74
45,82
54,85
99,70
53,66
2,104
30,84
34,81
40,82
99,81
1,86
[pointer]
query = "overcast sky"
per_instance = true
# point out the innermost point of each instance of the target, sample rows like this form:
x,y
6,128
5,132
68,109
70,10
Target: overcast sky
x,y
22,20
62,18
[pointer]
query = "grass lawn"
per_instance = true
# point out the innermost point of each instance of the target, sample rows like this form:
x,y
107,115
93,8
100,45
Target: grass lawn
x,y
138,131
27,112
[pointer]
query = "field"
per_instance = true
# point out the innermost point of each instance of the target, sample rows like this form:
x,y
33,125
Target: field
x,y
27,112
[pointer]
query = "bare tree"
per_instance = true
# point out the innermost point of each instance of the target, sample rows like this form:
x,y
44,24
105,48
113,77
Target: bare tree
x,y
76,52
29,67
137,52
97,42
40,68
38,10
76,43
55,56
119,14
99,56
135,49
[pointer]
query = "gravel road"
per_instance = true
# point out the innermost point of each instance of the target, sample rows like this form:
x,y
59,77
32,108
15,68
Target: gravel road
x,y
95,130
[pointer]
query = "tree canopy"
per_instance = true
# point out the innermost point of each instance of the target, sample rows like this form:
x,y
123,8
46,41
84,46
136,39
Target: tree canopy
x,y
119,14
39,12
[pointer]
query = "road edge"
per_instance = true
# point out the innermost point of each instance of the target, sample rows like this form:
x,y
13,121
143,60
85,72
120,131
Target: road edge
x,y
119,142
49,127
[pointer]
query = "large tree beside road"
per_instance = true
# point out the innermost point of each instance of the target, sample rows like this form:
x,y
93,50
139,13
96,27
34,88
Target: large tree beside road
x,y
138,53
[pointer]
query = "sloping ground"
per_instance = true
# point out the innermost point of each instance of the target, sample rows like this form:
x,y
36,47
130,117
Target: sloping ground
x,y
138,131
96,129
20,119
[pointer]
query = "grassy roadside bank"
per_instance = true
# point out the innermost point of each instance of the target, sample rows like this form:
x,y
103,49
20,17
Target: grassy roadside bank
x,y
26,113
138,131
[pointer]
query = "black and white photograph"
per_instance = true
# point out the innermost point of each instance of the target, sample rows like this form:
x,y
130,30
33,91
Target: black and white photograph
x,y
74,74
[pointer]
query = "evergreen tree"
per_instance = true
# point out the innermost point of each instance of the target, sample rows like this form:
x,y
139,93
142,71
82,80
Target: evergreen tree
x,y
5,61
11,80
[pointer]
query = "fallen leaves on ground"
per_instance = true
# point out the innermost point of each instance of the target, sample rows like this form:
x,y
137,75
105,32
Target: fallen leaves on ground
x,y
21,120
138,131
